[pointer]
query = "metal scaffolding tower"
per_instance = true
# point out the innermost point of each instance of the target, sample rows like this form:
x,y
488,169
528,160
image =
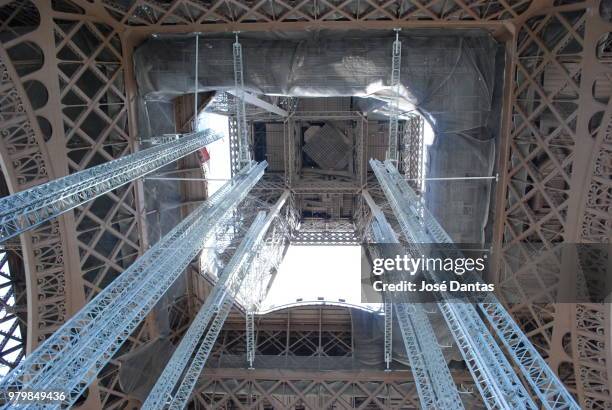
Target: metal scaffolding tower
x,y
434,381
71,358
28,209
230,281
244,153
396,65
497,382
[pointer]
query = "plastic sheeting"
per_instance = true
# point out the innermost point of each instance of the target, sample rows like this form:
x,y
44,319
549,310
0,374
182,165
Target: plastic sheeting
x,y
461,206
449,77
141,367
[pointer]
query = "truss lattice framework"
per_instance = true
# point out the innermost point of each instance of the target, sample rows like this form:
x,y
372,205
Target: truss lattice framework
x,y
185,12
557,184
12,306
304,390
289,342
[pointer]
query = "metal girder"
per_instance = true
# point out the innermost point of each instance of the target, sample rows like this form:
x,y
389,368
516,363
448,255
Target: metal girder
x,y
383,233
420,226
427,397
248,254
434,381
71,358
549,389
231,278
244,154
396,66
258,102
27,209
192,374
412,152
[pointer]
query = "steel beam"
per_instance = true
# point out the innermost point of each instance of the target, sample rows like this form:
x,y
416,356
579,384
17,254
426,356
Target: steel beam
x,y
388,308
258,102
250,251
495,378
250,337
71,358
27,209
220,299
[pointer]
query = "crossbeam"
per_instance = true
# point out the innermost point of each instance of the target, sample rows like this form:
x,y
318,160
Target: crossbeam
x,y
27,209
258,102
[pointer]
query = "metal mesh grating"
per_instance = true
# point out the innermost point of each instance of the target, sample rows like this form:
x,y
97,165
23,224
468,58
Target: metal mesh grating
x,y
328,148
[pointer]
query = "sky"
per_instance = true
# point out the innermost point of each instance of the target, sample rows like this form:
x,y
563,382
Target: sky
x,y
218,167
311,272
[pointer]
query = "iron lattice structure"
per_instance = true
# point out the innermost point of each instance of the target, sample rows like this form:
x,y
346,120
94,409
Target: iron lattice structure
x,y
554,171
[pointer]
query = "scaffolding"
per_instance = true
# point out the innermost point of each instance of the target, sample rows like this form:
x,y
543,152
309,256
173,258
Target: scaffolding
x,y
223,293
71,358
496,379
434,381
27,209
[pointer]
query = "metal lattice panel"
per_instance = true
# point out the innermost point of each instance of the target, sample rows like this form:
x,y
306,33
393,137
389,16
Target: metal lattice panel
x,y
557,185
142,13
327,148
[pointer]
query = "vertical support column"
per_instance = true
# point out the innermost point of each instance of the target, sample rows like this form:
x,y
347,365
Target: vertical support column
x,y
290,151
241,123
388,332
196,82
396,63
250,337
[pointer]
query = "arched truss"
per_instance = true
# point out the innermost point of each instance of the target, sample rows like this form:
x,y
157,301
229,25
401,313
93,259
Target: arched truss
x,y
557,136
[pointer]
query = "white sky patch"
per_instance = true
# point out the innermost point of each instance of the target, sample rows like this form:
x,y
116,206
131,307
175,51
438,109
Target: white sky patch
x,y
313,272
428,139
218,168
